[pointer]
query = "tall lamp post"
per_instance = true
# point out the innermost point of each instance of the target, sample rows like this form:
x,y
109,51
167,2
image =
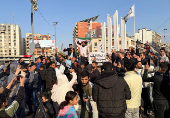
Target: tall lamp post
x,y
164,35
55,23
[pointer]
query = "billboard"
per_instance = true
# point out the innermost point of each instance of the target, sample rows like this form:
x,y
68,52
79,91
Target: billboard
x,y
43,43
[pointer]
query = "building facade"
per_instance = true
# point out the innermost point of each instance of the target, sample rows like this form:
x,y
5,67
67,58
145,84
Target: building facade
x,y
81,29
130,43
144,35
11,42
38,51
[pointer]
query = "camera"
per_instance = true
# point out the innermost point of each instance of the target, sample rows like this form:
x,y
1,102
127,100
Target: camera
x,y
18,77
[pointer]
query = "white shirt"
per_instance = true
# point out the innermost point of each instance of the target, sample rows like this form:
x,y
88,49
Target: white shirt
x,y
83,50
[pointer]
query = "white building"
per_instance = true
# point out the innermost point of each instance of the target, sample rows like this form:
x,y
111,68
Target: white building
x,y
144,35
11,42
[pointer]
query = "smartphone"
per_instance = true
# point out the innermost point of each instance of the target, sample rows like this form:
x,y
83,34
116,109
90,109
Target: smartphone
x,y
149,62
84,95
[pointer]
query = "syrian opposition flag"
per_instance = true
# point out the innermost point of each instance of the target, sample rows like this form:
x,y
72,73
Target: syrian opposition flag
x,y
130,14
80,40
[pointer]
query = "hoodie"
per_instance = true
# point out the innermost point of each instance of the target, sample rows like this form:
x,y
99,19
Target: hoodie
x,y
15,87
110,91
13,68
68,112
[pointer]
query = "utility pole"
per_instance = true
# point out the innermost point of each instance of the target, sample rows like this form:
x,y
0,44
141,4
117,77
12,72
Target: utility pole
x,y
34,6
164,35
55,23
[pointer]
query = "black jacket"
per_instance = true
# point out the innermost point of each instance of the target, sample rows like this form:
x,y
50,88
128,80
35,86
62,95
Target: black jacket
x,y
50,110
70,51
94,75
161,86
111,92
10,111
50,76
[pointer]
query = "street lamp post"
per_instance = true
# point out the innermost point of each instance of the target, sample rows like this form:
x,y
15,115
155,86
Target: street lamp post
x,y
164,35
55,23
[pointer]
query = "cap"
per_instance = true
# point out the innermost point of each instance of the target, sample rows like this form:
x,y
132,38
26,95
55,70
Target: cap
x,y
52,58
57,63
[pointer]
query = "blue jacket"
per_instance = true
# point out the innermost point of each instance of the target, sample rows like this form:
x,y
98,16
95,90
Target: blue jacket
x,y
69,61
68,112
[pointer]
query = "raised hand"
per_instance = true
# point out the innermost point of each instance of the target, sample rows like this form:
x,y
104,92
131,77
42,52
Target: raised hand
x,y
18,70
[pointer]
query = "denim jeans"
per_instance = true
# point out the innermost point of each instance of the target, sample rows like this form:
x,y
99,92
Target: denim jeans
x,y
32,94
21,110
132,113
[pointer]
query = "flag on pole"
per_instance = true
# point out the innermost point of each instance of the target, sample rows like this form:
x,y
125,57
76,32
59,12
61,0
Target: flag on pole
x,y
80,39
130,14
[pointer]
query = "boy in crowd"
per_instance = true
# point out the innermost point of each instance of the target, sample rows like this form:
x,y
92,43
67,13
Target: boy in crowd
x,y
48,106
87,96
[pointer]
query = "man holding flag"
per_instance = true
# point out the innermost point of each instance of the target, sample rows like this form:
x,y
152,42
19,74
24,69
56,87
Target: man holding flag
x,y
83,48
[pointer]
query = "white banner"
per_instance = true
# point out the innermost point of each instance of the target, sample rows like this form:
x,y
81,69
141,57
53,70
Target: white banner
x,y
116,31
100,57
130,14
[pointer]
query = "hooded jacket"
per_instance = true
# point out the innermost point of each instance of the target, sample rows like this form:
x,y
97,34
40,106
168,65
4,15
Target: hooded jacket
x,y
15,87
110,92
68,112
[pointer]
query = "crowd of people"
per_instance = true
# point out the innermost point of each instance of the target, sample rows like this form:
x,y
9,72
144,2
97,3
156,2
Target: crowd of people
x,y
130,84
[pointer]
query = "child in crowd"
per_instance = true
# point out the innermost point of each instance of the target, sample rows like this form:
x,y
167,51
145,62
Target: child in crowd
x,y
78,106
66,108
47,104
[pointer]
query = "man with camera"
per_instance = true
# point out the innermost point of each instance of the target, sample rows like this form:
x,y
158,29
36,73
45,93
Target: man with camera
x,y
32,87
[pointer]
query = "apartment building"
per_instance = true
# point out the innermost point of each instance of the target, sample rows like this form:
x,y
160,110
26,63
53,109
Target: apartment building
x,y
11,42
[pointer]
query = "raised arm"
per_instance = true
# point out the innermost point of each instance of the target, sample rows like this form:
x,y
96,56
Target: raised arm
x,y
89,44
77,44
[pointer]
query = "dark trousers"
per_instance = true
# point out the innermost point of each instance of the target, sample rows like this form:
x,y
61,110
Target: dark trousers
x,y
162,109
145,98
121,116
21,110
32,95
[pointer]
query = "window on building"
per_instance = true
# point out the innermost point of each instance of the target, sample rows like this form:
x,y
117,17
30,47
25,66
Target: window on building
x,y
95,43
9,53
15,53
127,42
14,50
9,50
14,44
119,42
9,36
9,43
